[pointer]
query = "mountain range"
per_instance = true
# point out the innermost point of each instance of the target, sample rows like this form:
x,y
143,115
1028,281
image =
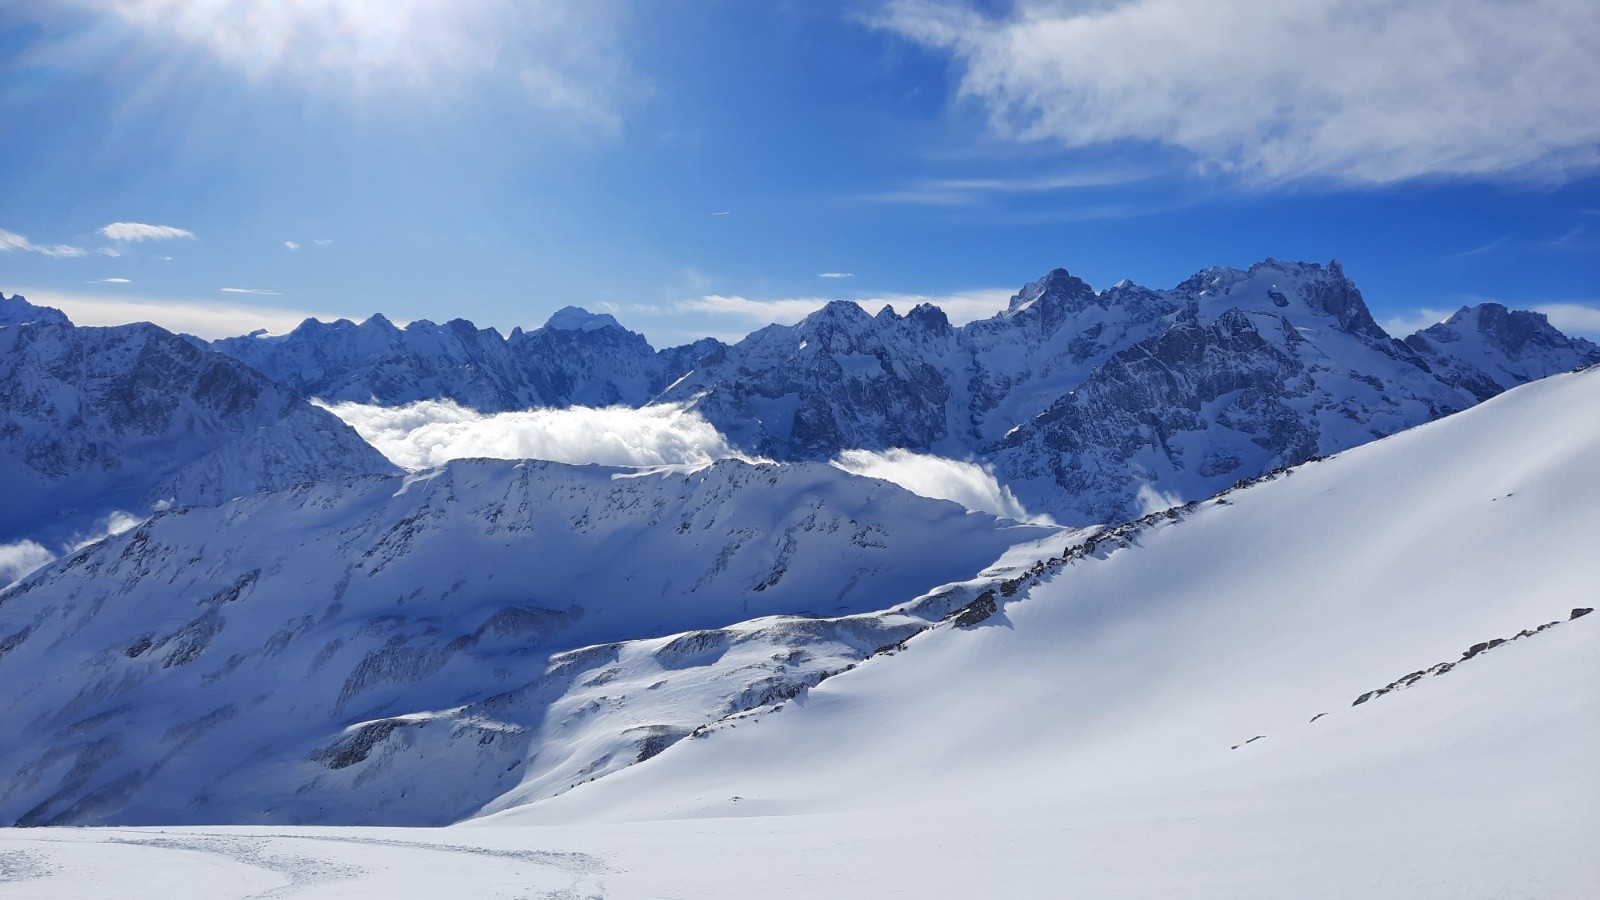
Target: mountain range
x,y
286,628
1086,403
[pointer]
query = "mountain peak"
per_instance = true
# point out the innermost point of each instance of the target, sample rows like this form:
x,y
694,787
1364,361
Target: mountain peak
x,y
1057,288
16,310
575,318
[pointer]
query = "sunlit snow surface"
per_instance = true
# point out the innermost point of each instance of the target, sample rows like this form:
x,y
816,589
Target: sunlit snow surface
x,y
1080,743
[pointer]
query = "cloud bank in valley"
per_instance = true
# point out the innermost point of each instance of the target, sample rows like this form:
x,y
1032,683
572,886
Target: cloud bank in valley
x,y
969,484
431,432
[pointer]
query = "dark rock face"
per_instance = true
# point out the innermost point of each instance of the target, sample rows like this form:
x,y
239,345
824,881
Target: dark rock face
x,y
93,419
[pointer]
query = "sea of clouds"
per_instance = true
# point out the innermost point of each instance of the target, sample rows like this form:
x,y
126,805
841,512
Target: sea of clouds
x,y
432,432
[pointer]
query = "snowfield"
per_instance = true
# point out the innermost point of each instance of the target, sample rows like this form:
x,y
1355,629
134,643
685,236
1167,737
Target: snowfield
x,y
1169,712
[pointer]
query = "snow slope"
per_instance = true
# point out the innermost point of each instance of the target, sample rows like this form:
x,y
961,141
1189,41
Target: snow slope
x,y
1120,692
407,649
1094,736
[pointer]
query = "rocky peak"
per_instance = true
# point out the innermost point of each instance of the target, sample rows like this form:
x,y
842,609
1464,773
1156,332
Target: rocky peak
x,y
575,318
1057,294
15,310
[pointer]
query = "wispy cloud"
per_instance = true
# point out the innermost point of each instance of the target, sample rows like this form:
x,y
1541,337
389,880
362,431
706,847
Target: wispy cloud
x,y
323,242
723,213
10,241
1358,91
111,281
963,306
836,275
292,245
1411,321
139,231
234,290
1580,319
975,191
1485,248
206,318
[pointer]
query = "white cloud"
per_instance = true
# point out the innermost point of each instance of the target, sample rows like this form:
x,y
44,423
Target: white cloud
x,y
431,432
1153,500
139,231
111,281
969,484
323,242
958,192
10,240
207,319
20,558
961,307
231,290
292,245
1361,91
837,275
1580,319
1408,322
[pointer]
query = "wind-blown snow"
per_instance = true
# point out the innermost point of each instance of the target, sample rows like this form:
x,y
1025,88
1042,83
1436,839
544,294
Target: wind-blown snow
x,y
432,432
972,485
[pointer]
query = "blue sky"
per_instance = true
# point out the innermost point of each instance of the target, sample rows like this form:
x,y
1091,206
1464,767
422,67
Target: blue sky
x,y
699,167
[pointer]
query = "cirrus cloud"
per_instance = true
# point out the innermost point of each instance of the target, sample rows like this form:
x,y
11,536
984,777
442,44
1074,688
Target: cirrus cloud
x,y
10,240
1355,91
139,231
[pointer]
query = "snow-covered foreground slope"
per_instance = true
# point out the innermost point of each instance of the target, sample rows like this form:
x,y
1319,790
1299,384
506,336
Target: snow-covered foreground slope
x,y
407,649
1094,737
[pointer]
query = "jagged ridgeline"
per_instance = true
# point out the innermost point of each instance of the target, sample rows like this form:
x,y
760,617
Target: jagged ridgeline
x,y
1091,405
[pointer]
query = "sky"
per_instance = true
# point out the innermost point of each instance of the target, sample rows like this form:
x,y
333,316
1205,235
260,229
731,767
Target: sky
x,y
703,167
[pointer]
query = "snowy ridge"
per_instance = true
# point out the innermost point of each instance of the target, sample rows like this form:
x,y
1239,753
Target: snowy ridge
x,y
477,629
577,358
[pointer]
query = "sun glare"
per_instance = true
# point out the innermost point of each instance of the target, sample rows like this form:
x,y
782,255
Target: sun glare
x,y
360,43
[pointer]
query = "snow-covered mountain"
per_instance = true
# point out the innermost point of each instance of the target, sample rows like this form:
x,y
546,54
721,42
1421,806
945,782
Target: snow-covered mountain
x,y
1369,676
100,419
1093,405
1090,405
577,358
1487,348
408,649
